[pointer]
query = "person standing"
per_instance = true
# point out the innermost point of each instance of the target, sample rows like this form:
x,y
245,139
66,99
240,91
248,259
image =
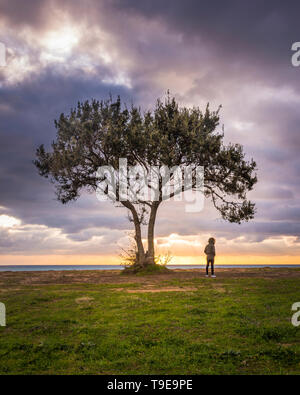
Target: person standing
x,y
210,252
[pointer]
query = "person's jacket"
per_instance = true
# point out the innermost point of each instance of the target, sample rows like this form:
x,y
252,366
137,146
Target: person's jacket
x,y
210,251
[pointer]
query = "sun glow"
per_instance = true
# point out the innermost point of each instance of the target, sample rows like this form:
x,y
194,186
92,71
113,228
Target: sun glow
x,y
8,222
61,42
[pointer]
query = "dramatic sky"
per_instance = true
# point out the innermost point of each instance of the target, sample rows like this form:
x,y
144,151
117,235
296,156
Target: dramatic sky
x,y
234,53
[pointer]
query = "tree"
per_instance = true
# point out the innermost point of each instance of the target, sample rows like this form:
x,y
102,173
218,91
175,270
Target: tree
x,y
99,133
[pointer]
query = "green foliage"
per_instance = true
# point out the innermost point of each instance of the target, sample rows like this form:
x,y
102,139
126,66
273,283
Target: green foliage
x,y
145,270
98,133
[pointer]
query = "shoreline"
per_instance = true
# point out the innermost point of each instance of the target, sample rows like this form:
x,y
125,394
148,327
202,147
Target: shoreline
x,y
58,268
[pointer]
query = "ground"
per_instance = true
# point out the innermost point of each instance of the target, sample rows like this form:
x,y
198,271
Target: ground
x,y
101,322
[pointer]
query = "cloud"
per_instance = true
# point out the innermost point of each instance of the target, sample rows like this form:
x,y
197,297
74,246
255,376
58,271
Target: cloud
x,y
32,239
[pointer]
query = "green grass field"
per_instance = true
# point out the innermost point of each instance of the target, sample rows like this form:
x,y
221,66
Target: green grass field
x,y
194,325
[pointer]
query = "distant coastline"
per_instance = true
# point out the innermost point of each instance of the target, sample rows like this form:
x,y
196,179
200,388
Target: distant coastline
x,y
31,268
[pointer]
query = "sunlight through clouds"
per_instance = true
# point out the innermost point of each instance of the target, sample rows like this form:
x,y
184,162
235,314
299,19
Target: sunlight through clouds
x,y
61,41
8,222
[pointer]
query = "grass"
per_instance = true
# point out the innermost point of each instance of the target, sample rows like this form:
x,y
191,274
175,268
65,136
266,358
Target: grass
x,y
142,271
223,326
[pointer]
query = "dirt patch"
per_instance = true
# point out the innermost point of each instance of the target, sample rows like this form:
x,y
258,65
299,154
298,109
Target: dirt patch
x,y
218,288
153,290
11,289
16,279
287,344
84,299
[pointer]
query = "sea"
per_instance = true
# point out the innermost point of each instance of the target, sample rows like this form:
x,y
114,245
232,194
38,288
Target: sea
x,y
35,268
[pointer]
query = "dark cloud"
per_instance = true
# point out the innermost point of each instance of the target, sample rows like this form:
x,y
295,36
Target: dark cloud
x,y
32,13
265,28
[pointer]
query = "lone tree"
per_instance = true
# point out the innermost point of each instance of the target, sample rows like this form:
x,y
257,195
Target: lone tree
x,y
99,133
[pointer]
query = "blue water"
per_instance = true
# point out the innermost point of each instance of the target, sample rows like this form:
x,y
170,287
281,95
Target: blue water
x,y
34,268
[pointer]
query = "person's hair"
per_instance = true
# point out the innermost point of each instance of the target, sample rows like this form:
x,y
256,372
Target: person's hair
x,y
211,240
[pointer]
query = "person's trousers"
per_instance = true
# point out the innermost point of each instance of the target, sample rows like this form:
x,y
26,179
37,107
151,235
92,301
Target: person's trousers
x,y
211,261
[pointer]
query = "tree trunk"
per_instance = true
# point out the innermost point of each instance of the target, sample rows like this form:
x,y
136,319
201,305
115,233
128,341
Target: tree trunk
x,y
151,252
139,243
138,233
